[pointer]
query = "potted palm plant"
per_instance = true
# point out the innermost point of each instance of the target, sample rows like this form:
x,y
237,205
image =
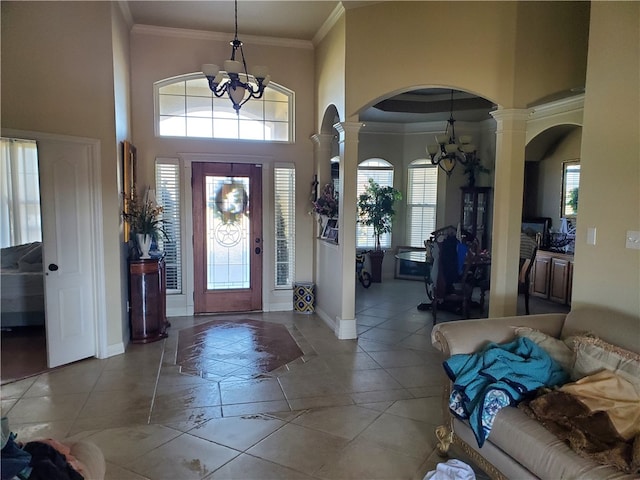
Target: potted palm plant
x,y
375,208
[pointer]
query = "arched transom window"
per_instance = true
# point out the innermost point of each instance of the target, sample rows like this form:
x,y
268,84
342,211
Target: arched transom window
x,y
186,107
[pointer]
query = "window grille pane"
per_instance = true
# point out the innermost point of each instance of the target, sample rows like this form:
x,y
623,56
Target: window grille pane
x,y
168,196
284,201
422,196
190,96
381,172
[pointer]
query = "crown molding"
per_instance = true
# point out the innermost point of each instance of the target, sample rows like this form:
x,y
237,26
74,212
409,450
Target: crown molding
x,y
141,29
328,24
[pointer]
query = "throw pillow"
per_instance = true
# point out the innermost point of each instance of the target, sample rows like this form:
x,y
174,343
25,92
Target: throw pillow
x,y
556,348
594,355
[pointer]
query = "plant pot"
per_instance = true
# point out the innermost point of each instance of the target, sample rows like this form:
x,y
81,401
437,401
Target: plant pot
x,y
376,257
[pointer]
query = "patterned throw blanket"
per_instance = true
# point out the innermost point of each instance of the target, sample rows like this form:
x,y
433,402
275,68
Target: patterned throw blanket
x,y
498,376
597,416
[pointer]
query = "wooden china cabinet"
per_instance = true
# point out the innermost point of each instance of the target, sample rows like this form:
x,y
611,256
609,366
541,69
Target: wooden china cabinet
x,y
147,300
474,212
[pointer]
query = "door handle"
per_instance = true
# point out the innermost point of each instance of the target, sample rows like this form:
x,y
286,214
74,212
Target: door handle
x,y
53,267
258,250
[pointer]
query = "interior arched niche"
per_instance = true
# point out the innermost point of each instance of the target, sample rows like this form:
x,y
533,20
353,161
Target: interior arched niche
x,y
545,155
329,165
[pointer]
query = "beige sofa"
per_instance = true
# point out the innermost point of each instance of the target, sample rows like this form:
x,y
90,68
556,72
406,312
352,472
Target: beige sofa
x,y
519,447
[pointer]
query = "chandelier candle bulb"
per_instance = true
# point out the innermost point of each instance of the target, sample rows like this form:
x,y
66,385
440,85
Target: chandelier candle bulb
x,y
210,69
232,66
432,149
260,71
219,77
442,139
451,147
464,139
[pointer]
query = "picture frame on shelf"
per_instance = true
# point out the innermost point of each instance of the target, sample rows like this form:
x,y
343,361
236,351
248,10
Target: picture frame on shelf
x,y
332,224
333,235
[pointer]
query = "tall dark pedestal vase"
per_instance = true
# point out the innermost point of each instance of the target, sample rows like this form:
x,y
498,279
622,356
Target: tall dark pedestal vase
x,y
376,257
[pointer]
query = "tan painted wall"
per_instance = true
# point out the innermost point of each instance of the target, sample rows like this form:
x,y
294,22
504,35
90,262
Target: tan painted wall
x,y
330,71
510,52
58,77
607,273
551,49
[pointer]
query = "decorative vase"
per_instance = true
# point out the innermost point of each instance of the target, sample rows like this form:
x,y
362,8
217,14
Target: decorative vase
x,y
144,244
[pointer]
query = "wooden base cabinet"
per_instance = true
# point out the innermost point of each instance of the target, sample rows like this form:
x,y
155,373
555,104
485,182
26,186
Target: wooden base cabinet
x,y
552,276
147,300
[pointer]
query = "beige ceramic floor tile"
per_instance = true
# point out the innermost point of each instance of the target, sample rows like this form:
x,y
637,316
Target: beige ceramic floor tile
x,y
185,457
107,404
48,409
417,376
184,419
363,460
188,396
381,396
246,467
368,380
301,386
116,472
319,402
126,418
299,448
346,422
16,389
410,437
254,408
402,358
240,433
32,431
252,391
123,445
423,409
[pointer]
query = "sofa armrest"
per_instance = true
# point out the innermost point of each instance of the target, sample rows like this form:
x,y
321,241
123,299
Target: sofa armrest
x,y
468,336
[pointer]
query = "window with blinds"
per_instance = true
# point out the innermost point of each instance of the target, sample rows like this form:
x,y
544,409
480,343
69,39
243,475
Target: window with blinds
x,y
422,196
284,209
168,196
381,172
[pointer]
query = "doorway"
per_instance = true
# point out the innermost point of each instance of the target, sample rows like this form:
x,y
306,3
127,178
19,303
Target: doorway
x,y
23,335
227,236
71,257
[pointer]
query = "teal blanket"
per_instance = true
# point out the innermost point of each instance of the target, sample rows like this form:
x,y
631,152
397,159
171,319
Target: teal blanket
x,y
497,376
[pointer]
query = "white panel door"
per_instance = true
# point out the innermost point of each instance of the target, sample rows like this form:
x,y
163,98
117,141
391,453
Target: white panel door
x,y
65,184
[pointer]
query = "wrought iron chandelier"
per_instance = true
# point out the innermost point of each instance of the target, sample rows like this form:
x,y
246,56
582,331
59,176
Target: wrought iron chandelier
x,y
448,151
237,81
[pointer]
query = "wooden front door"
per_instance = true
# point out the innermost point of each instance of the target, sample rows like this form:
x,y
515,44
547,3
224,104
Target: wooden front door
x,y
227,237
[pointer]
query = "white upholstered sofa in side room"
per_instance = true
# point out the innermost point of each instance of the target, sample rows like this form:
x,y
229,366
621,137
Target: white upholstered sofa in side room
x,y
519,447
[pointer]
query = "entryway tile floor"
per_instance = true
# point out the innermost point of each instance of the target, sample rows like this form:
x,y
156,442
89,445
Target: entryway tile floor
x,y
339,409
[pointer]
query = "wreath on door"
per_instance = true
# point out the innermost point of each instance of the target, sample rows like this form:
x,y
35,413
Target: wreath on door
x,y
231,202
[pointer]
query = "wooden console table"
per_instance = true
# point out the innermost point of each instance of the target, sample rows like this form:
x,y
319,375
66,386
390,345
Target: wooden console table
x,y
147,300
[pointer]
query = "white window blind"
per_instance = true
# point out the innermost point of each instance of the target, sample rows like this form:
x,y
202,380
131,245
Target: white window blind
x,y
422,196
381,172
168,196
284,202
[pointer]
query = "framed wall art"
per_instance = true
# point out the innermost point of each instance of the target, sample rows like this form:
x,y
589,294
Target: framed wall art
x,y
128,179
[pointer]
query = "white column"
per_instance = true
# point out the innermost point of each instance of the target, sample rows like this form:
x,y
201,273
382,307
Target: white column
x,y
507,210
349,134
